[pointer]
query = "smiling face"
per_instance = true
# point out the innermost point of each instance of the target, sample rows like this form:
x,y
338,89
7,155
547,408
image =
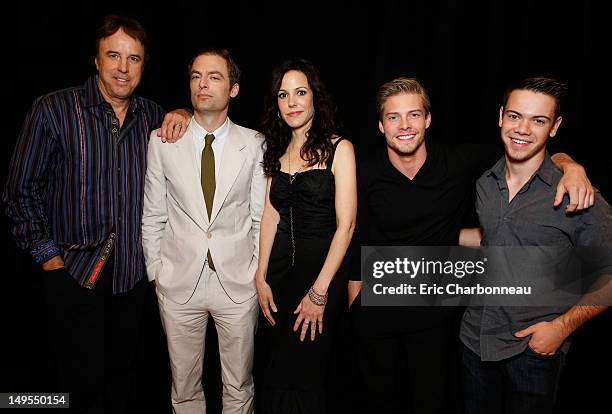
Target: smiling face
x,y
404,121
210,84
296,100
526,122
120,61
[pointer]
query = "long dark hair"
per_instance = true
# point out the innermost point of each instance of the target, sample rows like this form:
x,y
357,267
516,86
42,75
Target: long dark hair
x,y
318,147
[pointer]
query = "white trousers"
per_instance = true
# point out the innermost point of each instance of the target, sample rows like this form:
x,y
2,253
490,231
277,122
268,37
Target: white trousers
x,y
185,327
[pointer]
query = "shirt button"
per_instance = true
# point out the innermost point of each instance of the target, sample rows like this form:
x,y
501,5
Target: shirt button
x,y
209,235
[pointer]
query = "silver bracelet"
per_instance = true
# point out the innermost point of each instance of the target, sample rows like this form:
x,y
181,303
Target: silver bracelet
x,y
315,298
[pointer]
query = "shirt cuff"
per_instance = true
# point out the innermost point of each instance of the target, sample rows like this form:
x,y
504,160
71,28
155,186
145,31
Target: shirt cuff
x,y
45,251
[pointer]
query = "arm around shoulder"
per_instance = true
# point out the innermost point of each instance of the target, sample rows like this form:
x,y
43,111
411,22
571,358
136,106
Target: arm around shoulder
x,y
575,183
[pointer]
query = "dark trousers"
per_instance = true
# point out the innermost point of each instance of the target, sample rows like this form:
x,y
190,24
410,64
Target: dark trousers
x,y
408,373
526,383
94,335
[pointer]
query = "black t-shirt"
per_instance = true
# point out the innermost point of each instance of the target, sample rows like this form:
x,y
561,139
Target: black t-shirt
x,y
428,210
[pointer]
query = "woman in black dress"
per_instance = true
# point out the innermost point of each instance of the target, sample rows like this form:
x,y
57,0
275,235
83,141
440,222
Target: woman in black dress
x,y
307,225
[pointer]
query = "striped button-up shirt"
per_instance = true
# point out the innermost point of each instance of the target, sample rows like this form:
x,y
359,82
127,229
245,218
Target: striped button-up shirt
x,y
77,176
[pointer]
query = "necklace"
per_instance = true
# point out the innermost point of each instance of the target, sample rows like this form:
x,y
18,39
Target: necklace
x,y
291,179
292,176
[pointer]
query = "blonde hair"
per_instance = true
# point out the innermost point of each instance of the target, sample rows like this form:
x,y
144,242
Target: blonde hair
x,y
400,86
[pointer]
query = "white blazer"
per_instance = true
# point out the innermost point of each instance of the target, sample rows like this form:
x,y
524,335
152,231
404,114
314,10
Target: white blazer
x,y
176,231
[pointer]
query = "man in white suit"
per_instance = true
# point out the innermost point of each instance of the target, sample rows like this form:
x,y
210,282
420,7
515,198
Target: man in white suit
x,y
203,203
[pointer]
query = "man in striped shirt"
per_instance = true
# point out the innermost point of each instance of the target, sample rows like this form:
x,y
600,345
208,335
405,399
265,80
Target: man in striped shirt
x,y
74,198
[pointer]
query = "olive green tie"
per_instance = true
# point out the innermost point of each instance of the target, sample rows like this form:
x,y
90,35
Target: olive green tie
x,y
208,180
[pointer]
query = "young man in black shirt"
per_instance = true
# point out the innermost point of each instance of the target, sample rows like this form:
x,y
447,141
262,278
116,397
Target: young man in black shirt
x,y
414,192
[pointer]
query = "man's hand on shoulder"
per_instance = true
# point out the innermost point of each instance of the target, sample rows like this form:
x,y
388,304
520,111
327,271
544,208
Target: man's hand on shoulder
x,y
577,185
574,183
174,125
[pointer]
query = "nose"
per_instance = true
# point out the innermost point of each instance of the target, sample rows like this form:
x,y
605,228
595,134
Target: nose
x,y
123,65
203,82
404,123
291,100
523,127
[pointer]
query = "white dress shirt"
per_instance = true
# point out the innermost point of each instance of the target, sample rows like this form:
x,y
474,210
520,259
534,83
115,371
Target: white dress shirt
x,y
199,133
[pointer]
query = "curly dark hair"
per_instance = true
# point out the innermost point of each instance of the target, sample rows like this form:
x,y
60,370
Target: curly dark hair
x,y
318,146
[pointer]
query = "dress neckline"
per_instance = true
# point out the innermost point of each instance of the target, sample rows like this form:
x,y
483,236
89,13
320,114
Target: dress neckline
x,y
293,176
302,172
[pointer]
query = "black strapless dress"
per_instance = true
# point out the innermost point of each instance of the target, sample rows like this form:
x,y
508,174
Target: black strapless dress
x,y
295,372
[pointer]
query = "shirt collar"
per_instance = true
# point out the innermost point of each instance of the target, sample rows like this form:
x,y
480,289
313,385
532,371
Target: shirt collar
x,y
200,132
94,97
498,170
544,172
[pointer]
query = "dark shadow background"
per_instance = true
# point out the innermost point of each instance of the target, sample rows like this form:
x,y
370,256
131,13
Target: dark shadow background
x,y
464,53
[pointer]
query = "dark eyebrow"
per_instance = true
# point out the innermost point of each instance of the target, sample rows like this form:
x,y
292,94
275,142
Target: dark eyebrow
x,y
118,52
520,114
295,89
541,116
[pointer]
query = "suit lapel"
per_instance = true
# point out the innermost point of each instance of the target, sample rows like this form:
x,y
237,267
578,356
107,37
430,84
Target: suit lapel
x,y
232,161
185,164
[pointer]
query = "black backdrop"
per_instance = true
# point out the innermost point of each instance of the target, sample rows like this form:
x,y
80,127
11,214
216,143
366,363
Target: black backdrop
x,y
465,54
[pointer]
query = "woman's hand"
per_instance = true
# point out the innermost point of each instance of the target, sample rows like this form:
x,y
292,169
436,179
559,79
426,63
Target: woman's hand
x,y
266,299
309,315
